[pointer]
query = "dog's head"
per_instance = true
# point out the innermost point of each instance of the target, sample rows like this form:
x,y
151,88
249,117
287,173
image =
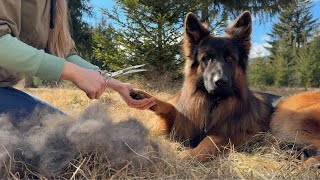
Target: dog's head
x,y
217,64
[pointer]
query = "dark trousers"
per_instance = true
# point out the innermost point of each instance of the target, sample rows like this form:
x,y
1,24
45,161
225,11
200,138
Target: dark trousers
x,y
19,105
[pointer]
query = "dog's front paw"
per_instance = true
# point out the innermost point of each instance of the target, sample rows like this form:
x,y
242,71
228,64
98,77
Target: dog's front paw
x,y
138,94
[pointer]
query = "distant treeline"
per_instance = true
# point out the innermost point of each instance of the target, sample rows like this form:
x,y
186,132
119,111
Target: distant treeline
x,y
149,32
294,48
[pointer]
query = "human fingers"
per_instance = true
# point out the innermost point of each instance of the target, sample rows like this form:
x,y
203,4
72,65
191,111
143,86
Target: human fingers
x,y
142,103
90,95
98,94
95,85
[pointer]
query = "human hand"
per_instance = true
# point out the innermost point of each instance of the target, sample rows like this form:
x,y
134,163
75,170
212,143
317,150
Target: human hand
x,y
124,90
89,81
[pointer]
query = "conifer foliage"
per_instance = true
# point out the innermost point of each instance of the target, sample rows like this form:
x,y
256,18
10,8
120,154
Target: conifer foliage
x,y
293,48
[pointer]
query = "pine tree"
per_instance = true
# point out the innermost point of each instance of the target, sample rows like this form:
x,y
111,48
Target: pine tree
x,y
216,13
305,67
288,38
107,51
296,25
80,29
308,64
282,65
315,50
261,73
151,32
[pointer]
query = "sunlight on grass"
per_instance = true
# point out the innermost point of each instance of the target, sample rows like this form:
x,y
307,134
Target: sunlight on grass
x,y
258,159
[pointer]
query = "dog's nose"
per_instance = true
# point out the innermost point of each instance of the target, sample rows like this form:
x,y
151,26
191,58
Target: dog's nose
x,y
222,82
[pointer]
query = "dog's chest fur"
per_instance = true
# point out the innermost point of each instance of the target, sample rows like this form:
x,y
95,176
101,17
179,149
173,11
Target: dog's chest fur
x,y
233,119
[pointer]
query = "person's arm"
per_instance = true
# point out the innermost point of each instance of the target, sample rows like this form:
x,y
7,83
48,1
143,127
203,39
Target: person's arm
x,y
122,88
84,78
28,60
19,57
75,59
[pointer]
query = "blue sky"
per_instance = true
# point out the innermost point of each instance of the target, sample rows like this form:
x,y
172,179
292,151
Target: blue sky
x,y
259,34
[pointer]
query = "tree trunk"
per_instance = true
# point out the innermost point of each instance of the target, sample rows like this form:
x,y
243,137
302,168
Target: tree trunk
x,y
28,82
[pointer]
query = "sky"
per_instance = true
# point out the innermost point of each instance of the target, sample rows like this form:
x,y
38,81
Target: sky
x,y
259,33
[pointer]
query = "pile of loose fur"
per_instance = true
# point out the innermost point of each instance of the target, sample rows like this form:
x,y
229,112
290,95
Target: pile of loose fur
x,y
46,143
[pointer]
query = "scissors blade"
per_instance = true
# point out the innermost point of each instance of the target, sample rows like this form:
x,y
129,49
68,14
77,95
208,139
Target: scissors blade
x,y
128,70
117,73
134,71
133,67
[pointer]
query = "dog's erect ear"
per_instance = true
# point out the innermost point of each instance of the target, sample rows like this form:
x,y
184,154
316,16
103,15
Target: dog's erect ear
x,y
240,30
194,30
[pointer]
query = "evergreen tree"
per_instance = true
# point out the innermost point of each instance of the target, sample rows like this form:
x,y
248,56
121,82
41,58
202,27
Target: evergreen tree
x,y
81,30
315,50
296,25
308,64
217,13
261,72
284,63
151,32
107,51
282,69
289,38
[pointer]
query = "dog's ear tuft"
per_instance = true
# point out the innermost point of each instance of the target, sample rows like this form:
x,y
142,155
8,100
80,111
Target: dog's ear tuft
x,y
240,30
194,30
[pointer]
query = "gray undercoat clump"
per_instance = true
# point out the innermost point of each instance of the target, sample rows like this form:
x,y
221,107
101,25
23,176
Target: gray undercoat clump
x,y
46,143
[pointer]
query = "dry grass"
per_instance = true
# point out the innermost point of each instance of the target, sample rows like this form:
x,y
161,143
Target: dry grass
x,y
261,158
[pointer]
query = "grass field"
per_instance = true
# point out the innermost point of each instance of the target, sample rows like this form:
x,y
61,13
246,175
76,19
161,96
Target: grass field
x,y
260,158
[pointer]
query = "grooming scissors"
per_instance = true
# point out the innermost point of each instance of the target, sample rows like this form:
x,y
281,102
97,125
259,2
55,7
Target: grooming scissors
x,y
129,70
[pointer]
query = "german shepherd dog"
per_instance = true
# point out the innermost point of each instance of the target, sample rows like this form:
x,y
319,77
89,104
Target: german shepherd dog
x,y
215,106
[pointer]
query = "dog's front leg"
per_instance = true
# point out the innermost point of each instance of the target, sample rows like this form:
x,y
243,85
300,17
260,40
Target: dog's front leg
x,y
207,148
166,112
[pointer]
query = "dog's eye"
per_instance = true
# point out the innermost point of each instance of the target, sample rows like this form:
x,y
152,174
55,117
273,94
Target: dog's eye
x,y
229,59
206,58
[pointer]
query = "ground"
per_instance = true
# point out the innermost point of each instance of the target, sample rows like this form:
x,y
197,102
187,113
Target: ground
x,y
261,158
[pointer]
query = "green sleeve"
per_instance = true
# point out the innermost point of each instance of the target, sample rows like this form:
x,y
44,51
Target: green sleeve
x,y
19,57
75,59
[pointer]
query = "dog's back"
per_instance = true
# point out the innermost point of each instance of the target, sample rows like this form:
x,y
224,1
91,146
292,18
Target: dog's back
x,y
297,119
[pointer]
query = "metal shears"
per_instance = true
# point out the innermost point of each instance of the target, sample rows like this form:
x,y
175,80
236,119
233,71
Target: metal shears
x,y
129,70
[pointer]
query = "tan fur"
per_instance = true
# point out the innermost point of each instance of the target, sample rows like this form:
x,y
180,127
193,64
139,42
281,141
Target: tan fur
x,y
297,119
